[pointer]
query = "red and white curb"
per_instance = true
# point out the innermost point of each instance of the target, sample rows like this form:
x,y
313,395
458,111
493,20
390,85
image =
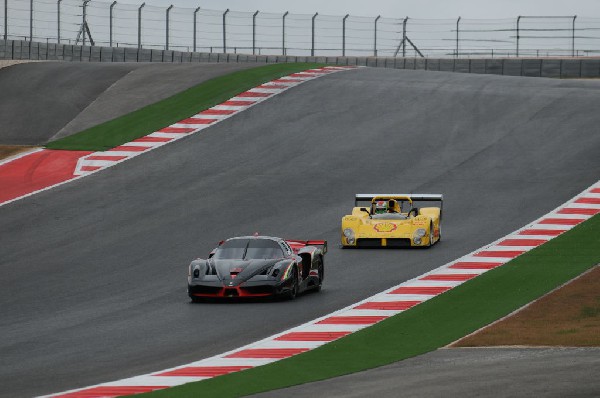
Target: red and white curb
x,y
364,313
101,160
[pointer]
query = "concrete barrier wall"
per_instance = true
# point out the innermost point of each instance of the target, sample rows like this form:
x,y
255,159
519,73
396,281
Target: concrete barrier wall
x,y
537,67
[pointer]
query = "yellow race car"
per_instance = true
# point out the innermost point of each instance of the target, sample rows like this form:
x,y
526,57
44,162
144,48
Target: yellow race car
x,y
393,220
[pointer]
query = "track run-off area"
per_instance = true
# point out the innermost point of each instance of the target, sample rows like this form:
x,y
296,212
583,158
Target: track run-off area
x,y
93,272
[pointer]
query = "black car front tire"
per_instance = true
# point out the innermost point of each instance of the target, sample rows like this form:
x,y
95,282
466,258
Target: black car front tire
x,y
293,292
321,271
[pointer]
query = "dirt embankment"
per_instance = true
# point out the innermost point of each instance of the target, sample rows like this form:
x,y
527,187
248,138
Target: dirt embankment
x,y
568,317
11,150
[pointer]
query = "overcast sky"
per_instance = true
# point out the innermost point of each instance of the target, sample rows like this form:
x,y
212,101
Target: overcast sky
x,y
398,8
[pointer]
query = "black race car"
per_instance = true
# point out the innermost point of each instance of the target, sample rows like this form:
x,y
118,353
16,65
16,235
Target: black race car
x,y
258,266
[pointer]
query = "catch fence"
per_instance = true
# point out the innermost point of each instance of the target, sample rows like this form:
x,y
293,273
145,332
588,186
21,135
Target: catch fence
x,y
113,24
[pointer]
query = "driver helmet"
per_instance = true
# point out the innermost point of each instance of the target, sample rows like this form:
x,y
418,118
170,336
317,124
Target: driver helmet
x,y
381,207
392,206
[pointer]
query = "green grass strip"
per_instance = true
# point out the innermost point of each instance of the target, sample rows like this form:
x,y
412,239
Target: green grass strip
x,y
175,108
426,327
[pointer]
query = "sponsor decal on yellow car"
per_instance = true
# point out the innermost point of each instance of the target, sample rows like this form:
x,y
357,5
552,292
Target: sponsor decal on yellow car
x,y
385,227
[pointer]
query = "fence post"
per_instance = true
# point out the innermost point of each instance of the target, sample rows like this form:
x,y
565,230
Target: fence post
x,y
195,22
344,35
167,28
573,41
140,25
110,21
375,40
30,23
225,32
5,19
57,22
312,49
518,20
457,29
84,20
283,33
254,32
404,37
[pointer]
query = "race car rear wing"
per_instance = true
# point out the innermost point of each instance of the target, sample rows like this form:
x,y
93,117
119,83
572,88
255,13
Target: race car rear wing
x,y
320,243
415,197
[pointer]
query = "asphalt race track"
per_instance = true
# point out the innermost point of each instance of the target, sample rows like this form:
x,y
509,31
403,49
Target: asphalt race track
x,y
469,372
49,101
94,271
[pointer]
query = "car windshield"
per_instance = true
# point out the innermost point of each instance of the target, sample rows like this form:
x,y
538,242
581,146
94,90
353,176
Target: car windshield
x,y
263,249
389,216
403,206
249,249
232,249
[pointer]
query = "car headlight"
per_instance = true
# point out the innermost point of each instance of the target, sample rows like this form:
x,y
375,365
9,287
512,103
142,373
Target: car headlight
x,y
417,235
196,272
349,234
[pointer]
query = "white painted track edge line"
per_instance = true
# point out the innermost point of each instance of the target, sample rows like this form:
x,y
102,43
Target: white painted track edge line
x,y
49,187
